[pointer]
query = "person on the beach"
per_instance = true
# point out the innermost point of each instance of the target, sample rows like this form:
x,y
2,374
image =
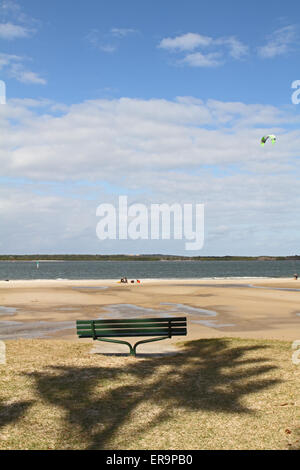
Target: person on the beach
x,y
296,276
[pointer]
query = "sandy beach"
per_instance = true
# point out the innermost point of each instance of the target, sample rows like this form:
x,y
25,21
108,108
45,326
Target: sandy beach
x,y
246,308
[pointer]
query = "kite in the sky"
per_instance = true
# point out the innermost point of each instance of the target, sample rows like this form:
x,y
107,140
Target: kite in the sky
x,y
266,137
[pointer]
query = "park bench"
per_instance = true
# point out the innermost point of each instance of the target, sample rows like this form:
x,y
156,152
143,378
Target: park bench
x,y
105,330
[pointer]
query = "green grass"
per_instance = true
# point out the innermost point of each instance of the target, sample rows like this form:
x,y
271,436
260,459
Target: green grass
x,y
216,394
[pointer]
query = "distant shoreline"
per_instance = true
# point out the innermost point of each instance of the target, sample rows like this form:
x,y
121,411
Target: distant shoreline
x,y
154,257
34,260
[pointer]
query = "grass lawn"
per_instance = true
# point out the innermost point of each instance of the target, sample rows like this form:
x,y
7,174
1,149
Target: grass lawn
x,y
217,394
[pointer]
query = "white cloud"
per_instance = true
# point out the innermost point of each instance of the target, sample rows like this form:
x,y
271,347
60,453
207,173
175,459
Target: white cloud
x,y
14,23
198,59
122,32
12,31
14,67
184,150
91,139
216,49
236,48
279,43
10,7
12,10
107,47
186,42
94,38
23,75
7,59
108,42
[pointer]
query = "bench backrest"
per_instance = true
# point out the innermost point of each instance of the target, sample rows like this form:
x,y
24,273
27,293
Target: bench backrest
x,y
168,326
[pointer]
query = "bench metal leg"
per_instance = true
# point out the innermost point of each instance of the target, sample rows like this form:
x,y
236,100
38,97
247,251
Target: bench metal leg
x,y
132,349
148,341
132,352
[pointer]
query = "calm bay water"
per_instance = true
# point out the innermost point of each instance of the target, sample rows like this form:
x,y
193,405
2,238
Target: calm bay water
x,y
146,269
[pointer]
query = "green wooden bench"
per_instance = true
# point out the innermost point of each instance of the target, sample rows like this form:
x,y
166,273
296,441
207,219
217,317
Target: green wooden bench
x,y
105,330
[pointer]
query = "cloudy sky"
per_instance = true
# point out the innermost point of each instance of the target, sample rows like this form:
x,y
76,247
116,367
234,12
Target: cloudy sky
x,y
164,102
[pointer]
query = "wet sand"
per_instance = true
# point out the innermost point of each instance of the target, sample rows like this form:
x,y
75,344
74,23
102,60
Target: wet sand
x,y
247,308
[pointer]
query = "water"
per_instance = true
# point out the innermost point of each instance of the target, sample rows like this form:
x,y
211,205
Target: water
x,y
38,329
42,329
7,311
147,269
134,311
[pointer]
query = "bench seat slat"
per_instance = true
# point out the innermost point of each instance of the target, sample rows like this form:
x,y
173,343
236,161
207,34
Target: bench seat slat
x,y
152,331
98,327
144,333
131,320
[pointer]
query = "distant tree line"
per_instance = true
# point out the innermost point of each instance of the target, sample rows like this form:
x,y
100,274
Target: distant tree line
x,y
142,257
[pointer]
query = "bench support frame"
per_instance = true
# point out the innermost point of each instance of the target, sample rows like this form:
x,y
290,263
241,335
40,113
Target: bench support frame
x,y
132,349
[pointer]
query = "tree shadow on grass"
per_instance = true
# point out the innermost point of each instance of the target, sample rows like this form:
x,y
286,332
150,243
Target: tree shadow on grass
x,y
211,375
10,413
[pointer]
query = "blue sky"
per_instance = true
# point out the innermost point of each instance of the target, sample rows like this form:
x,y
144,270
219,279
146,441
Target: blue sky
x,y
67,49
162,101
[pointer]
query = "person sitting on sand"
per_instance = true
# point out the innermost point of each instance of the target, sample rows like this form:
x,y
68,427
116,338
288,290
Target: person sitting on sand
x,y
124,280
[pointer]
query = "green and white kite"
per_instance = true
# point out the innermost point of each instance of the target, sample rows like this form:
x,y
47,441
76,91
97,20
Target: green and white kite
x,y
266,137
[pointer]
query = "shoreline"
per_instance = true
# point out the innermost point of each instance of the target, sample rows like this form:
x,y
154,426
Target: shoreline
x,y
62,281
